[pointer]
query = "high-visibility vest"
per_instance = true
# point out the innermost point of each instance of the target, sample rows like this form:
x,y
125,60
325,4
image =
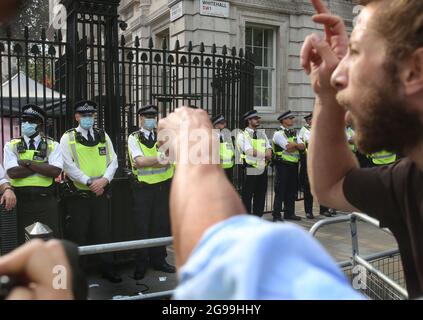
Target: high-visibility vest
x,y
91,160
259,145
150,175
350,134
36,180
227,155
283,155
383,158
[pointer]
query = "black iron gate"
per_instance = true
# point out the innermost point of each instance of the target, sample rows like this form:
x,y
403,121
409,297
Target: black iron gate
x,y
92,62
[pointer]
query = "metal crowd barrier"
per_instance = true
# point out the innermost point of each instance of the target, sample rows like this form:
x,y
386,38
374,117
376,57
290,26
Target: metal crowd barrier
x,y
384,272
126,246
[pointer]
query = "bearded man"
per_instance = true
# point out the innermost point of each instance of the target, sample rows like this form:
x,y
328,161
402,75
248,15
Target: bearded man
x,y
374,79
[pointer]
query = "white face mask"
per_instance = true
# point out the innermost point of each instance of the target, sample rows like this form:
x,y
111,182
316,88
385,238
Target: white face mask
x,y
29,129
150,124
87,122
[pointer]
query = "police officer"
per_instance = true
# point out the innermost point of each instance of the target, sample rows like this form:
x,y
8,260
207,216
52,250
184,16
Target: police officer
x,y
32,162
256,152
90,163
287,156
227,152
304,138
382,158
153,173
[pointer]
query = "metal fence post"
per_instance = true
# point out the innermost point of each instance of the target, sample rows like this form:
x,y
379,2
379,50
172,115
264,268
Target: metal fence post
x,y
354,236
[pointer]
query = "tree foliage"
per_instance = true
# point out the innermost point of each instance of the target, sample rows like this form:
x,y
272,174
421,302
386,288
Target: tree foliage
x,y
35,16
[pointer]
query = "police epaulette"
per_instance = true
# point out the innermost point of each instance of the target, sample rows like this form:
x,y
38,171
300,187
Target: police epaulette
x,y
70,130
101,134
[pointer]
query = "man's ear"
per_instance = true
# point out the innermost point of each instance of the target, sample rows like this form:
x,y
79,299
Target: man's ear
x,y
412,76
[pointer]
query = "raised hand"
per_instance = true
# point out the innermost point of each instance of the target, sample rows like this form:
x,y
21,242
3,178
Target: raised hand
x,y
320,57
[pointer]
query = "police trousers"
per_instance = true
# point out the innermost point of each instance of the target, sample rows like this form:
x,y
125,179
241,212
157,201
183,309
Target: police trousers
x,y
152,220
286,188
88,221
254,190
36,204
308,197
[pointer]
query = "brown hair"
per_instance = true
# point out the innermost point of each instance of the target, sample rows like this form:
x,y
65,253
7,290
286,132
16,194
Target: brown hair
x,y
400,22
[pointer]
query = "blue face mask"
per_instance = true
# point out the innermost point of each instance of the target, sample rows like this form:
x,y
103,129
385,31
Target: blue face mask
x,y
86,122
150,124
29,129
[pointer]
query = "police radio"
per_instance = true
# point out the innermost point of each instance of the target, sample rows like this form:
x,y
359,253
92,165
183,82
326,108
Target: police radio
x,y
20,147
102,135
42,152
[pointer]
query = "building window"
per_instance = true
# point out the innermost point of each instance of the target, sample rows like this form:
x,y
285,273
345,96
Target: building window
x,y
161,37
261,42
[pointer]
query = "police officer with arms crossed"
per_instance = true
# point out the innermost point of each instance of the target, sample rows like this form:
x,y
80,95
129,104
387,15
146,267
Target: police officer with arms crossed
x,y
227,152
287,156
90,162
32,161
151,192
256,152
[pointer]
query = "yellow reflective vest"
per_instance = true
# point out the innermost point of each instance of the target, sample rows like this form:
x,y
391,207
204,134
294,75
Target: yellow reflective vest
x,y
259,145
283,155
19,149
383,158
91,160
227,154
150,175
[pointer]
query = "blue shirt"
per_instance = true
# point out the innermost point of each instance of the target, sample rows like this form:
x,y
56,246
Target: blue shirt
x,y
247,258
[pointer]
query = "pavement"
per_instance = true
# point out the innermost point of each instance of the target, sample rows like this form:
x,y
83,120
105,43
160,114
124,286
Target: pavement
x,y
335,238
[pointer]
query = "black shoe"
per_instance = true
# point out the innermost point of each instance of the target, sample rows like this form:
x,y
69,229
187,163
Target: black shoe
x,y
326,214
139,273
332,212
112,277
276,219
293,217
165,267
309,216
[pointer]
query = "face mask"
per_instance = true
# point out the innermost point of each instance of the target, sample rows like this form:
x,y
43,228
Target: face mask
x,y
86,122
150,124
29,129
